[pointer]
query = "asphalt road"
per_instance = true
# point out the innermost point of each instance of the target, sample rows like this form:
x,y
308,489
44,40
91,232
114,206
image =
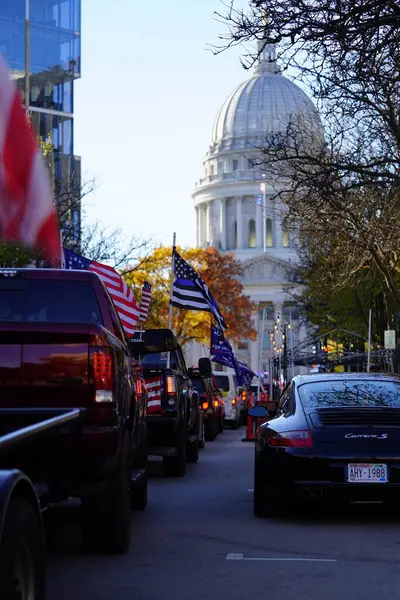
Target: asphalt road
x,y
198,540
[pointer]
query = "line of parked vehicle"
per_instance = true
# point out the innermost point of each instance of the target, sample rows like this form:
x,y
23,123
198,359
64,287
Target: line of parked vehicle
x,y
81,409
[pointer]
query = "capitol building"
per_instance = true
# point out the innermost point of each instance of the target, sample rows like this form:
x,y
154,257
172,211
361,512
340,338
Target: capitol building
x,y
235,200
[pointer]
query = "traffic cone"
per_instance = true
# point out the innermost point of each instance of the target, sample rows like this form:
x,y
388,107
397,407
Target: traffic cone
x,y
250,423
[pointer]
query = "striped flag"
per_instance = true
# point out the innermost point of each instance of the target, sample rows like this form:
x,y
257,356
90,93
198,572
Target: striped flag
x,y
27,209
191,293
145,303
120,292
153,388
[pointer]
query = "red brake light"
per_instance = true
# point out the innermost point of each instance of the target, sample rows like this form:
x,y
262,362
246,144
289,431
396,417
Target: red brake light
x,y
139,388
291,439
102,368
204,406
233,401
216,403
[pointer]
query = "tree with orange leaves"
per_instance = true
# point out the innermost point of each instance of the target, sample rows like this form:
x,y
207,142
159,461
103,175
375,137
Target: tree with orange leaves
x,y
221,272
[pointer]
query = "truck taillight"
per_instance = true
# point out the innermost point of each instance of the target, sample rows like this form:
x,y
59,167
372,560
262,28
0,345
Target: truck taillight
x,y
102,369
204,406
139,388
216,403
233,401
244,395
170,386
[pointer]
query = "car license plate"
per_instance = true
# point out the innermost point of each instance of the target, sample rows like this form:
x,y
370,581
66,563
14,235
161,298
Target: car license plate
x,y
367,473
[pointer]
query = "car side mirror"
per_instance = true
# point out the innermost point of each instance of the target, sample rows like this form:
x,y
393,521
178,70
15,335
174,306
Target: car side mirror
x,y
258,412
205,367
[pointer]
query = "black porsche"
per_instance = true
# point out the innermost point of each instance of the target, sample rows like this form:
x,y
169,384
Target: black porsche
x,y
332,436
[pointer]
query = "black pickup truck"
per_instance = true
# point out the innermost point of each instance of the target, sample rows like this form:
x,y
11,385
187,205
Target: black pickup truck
x,y
62,346
173,409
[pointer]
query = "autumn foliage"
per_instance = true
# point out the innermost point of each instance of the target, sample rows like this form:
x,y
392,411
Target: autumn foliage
x,y
221,272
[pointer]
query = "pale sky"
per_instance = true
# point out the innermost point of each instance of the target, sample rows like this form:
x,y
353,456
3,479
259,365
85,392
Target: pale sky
x,y
144,110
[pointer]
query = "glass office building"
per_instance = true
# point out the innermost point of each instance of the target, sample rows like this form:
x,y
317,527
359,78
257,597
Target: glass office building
x,y
43,38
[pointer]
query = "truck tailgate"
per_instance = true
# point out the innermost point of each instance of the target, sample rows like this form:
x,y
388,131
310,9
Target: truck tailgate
x,y
44,364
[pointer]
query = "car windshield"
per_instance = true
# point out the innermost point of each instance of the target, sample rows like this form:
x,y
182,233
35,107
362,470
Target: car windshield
x,y
350,393
158,360
223,382
198,384
48,301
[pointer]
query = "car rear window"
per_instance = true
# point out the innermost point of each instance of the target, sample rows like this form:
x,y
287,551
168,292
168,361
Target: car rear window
x,y
198,384
223,382
353,393
159,360
48,301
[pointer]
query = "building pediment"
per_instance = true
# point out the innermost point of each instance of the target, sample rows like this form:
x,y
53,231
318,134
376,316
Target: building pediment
x,y
265,270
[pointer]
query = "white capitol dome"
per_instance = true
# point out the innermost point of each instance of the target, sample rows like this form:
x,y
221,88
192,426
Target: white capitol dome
x,y
227,197
259,105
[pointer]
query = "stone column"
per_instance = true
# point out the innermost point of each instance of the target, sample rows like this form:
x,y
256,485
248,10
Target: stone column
x,y
197,226
259,229
222,223
278,226
207,236
239,221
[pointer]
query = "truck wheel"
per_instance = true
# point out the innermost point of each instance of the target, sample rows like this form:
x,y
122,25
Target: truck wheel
x,y
106,521
175,466
192,451
139,491
212,430
22,553
139,494
202,436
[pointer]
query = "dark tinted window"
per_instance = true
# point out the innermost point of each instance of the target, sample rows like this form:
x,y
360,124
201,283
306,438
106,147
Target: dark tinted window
x,y
48,301
364,393
198,384
159,359
223,382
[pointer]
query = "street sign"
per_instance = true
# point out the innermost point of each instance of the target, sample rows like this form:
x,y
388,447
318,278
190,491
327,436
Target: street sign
x,y
390,339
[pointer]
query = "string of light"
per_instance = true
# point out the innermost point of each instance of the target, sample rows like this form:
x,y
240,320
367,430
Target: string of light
x,y
278,331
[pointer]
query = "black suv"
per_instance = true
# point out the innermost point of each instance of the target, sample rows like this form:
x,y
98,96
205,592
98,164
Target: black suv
x,y
173,410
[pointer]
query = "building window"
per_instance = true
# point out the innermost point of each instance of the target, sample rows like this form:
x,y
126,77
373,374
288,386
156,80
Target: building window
x,y
270,237
235,165
252,233
250,163
243,346
269,311
266,340
211,170
290,310
235,235
285,237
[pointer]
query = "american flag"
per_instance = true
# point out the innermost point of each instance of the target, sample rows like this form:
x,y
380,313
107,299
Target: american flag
x,y
27,209
154,389
120,292
145,303
191,293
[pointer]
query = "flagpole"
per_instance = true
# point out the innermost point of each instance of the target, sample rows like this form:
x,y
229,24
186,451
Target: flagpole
x,y
172,282
62,258
170,293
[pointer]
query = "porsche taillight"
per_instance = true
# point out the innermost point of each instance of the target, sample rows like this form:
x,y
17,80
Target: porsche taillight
x,y
291,439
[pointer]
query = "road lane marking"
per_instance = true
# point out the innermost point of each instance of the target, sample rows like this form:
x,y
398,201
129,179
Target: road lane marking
x,y
239,556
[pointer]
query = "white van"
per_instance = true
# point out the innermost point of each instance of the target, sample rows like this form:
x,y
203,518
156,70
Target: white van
x,y
227,383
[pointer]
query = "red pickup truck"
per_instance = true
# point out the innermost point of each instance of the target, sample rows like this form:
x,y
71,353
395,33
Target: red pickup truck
x,y
62,346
